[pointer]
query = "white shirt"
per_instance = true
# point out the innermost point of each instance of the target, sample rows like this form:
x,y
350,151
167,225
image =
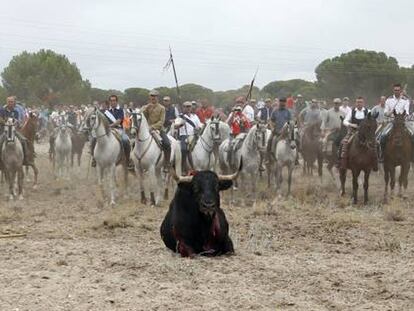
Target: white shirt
x,y
187,128
345,109
400,105
359,115
248,111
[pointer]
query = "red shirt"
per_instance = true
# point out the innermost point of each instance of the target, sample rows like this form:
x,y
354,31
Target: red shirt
x,y
290,103
239,123
204,113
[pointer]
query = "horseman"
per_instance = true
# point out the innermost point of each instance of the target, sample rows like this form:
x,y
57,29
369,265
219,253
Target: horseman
x,y
399,104
188,126
155,114
265,112
331,125
171,113
239,125
278,119
58,118
10,111
352,121
115,116
248,109
205,112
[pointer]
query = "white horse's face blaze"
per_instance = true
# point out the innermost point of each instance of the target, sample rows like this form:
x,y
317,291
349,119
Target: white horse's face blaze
x,y
215,131
10,130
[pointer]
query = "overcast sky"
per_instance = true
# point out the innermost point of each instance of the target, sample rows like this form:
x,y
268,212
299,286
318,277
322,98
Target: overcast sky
x,y
216,43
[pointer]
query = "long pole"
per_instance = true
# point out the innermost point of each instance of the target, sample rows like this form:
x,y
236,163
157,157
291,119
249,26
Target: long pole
x,y
175,75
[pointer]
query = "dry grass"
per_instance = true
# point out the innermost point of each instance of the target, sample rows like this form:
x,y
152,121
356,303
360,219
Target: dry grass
x,y
394,212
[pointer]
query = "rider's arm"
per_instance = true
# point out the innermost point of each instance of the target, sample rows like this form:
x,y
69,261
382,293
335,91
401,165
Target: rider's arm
x,y
347,120
230,118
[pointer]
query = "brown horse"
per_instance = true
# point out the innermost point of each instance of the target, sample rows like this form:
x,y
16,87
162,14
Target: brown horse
x,y
29,130
397,152
362,156
311,148
78,142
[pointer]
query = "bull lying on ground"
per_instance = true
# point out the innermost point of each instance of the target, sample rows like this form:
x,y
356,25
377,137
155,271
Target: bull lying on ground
x,y
195,223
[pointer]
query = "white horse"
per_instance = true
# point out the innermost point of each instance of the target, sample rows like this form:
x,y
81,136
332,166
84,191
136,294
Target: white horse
x,y
205,152
63,150
12,159
253,144
108,151
148,157
285,154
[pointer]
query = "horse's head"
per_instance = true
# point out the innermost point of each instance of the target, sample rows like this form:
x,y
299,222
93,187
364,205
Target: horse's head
x,y
260,136
214,127
136,120
366,131
399,120
10,129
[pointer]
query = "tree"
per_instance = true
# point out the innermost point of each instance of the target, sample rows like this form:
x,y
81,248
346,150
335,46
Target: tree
x,y
45,77
291,87
101,95
3,95
359,72
136,95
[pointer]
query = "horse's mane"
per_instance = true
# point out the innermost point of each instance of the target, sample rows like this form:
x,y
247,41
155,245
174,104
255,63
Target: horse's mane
x,y
104,121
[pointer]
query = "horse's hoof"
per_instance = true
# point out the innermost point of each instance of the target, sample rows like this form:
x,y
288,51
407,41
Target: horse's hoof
x,y
11,197
34,187
144,201
21,197
112,203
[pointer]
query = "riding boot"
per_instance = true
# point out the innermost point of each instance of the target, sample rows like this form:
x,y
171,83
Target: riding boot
x,y
51,146
127,152
338,157
24,147
190,161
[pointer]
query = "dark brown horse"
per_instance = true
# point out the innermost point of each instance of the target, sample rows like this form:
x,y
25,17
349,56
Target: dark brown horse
x,y
397,152
311,148
362,156
78,142
29,130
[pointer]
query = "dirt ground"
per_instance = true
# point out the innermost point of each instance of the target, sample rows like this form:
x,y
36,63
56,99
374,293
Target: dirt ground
x,y
313,251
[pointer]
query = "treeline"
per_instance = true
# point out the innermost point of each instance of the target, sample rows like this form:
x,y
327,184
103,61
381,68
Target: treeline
x,y
48,78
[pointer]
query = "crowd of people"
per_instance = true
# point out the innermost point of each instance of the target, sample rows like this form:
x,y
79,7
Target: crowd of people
x,y
162,115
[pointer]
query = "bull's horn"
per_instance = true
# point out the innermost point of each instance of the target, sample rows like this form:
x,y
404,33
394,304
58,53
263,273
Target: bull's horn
x,y
234,175
180,179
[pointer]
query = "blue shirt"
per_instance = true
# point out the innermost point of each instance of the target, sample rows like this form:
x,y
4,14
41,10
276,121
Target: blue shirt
x,y
280,117
5,114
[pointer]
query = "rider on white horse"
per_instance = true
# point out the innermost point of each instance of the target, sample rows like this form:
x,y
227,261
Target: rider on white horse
x,y
115,116
154,112
188,126
10,111
239,125
278,119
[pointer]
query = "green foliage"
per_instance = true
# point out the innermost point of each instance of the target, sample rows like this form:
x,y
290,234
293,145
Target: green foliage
x,y
45,77
359,72
101,95
3,95
294,87
136,95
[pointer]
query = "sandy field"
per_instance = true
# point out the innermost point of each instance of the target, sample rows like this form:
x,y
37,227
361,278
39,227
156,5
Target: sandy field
x,y
312,251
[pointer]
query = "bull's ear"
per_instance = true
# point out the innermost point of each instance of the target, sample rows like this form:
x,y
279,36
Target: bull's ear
x,y
225,184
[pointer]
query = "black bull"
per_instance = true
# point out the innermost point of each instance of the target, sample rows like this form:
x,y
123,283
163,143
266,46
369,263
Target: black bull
x,y
195,223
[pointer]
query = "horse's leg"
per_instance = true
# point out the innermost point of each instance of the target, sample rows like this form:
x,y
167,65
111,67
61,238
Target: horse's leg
x,y
405,168
320,165
290,170
366,184
27,173
72,155
355,175
112,183
392,182
141,185
100,175
20,177
342,177
386,180
79,158
11,176
153,185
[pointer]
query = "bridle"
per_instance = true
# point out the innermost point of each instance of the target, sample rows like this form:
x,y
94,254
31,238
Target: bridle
x,y
10,130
